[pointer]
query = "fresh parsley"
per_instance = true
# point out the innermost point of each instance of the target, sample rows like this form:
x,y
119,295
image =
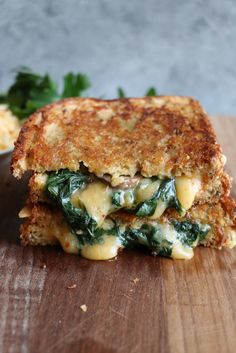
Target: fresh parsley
x,y
121,93
151,92
31,91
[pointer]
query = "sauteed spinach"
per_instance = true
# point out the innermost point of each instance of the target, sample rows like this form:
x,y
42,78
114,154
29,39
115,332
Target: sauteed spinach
x,y
62,184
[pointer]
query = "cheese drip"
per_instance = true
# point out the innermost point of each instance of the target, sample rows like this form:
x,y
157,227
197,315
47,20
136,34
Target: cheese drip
x,y
96,198
106,250
186,190
146,189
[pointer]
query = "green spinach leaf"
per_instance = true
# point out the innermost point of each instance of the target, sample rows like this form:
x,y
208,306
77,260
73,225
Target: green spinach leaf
x,y
149,236
189,232
60,186
166,193
117,198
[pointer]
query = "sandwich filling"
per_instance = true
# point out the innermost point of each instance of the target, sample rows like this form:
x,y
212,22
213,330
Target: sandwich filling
x,y
90,204
144,197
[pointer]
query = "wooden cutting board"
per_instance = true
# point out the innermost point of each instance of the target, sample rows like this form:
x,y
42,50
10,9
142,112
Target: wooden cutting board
x,y
136,304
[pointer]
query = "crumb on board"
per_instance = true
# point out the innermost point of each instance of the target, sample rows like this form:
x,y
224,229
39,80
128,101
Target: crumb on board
x,y
72,286
84,308
44,266
136,280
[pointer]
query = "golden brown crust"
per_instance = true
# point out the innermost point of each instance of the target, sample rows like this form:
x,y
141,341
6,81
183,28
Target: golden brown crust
x,y
36,189
152,135
221,217
34,231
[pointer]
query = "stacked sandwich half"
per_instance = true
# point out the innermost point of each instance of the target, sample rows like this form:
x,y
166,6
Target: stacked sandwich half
x,y
107,175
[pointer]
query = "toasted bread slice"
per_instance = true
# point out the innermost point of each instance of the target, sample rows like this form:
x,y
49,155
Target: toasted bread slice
x,y
152,136
46,224
167,136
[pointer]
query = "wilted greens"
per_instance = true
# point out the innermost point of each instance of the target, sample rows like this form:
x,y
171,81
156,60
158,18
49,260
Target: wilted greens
x,y
62,184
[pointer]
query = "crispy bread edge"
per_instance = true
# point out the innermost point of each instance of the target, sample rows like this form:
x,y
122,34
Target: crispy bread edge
x,y
28,133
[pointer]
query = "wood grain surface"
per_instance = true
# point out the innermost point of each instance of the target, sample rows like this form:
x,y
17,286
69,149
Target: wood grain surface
x,y
135,304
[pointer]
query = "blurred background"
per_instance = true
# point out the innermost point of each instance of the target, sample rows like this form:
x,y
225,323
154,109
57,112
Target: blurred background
x,y
185,47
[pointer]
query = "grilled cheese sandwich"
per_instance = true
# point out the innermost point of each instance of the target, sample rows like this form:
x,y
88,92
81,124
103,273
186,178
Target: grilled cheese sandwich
x,y
98,163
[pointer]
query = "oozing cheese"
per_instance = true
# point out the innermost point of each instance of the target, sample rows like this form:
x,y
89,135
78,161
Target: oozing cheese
x,y
106,250
69,242
109,246
96,198
160,208
181,252
186,190
146,189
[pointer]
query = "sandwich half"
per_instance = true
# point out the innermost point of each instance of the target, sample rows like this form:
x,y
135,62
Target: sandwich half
x,y
113,174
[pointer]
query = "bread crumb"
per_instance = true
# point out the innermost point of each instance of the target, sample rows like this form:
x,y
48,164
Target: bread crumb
x,y
72,286
83,308
136,280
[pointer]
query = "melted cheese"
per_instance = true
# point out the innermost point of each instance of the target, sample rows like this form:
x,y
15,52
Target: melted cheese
x,y
128,199
181,252
186,190
160,208
69,242
110,245
96,198
104,251
146,189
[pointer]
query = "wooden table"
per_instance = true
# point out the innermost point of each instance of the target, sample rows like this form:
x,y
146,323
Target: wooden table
x,y
136,304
